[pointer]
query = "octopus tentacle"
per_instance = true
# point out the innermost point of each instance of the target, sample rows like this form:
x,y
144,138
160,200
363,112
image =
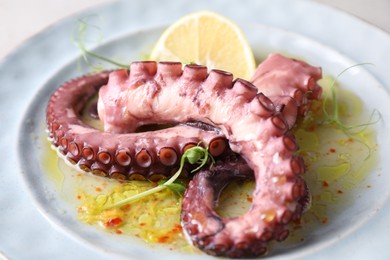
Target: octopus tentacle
x,y
248,235
203,202
300,82
120,155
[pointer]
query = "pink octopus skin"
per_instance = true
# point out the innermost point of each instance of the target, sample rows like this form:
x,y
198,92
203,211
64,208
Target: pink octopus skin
x,y
255,127
148,155
280,195
206,230
113,153
280,77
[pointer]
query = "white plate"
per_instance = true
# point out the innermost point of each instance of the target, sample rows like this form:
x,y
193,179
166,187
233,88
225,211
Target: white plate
x,y
321,35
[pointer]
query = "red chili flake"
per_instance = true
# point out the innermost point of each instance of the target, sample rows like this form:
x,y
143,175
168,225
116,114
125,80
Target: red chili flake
x,y
114,222
249,199
340,191
78,197
126,207
332,150
163,239
325,184
178,226
118,232
325,220
142,224
98,189
177,229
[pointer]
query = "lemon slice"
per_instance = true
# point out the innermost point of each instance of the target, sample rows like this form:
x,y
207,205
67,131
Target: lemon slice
x,y
208,39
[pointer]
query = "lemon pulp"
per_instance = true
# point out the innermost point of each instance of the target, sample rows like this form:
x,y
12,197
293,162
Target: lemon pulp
x,y
208,39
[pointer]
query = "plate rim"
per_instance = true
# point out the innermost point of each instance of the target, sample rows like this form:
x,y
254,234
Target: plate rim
x,y
25,44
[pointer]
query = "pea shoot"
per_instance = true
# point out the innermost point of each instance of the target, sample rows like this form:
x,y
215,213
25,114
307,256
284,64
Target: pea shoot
x,y
333,117
195,155
80,43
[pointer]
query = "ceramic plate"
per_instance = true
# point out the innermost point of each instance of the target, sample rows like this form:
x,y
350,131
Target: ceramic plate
x,y
320,35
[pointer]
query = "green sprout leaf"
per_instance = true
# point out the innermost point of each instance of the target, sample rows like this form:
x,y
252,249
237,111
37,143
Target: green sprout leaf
x,y
80,40
333,117
194,155
177,187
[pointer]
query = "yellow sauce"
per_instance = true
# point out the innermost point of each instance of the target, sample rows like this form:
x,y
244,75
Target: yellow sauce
x,y
337,163
154,219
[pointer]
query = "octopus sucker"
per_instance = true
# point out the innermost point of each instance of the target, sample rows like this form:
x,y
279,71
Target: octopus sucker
x,y
123,157
168,156
245,125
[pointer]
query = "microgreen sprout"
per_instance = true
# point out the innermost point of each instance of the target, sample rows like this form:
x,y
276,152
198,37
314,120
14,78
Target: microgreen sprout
x,y
83,26
333,117
194,155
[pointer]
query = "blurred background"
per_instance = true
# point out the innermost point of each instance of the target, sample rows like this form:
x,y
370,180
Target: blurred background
x,y
20,19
